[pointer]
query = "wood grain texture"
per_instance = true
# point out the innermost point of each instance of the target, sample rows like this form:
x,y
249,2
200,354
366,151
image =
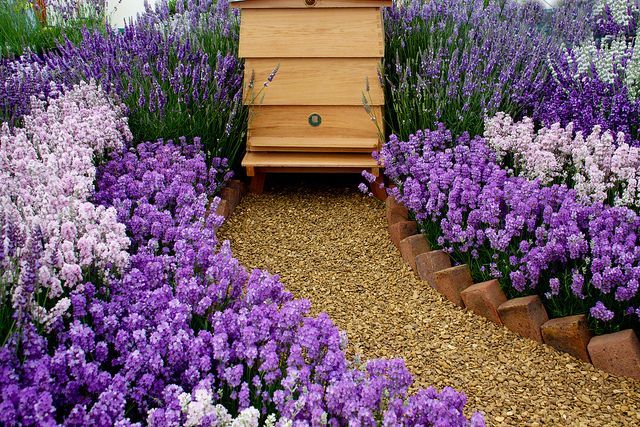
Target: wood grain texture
x,y
300,4
293,121
309,160
302,144
311,33
314,81
321,169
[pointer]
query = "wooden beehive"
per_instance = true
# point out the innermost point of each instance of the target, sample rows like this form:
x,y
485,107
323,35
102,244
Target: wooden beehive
x,y
311,117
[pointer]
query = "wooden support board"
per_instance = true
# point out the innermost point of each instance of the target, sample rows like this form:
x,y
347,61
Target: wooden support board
x,y
309,160
348,145
311,33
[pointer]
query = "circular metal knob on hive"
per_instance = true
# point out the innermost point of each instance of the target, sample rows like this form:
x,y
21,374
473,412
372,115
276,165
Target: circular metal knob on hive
x,y
310,3
315,120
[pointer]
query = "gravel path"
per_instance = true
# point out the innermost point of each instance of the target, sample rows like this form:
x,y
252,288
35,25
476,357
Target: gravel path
x,y
330,245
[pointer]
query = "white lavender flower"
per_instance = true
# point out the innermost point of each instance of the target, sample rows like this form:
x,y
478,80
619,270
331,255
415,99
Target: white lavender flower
x,y
249,417
621,10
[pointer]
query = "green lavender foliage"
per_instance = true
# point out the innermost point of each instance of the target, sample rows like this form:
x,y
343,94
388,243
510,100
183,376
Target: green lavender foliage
x,y
457,61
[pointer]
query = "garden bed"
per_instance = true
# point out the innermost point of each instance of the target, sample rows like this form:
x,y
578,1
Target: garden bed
x,y
515,152
617,353
120,305
525,173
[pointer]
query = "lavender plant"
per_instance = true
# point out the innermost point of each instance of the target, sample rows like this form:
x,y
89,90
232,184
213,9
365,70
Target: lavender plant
x,y
174,83
595,83
455,62
615,17
212,23
37,25
20,80
19,29
56,236
588,89
569,22
534,238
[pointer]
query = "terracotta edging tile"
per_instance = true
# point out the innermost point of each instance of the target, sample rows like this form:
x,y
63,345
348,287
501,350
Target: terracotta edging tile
x,y
411,247
484,299
569,334
617,353
452,281
401,230
524,316
428,263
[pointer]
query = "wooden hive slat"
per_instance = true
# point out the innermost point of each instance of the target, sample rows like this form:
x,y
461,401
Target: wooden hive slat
x,y
293,121
302,144
314,81
311,33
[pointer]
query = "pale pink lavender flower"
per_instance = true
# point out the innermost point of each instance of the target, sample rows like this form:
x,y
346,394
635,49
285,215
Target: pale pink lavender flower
x,y
600,167
200,408
47,168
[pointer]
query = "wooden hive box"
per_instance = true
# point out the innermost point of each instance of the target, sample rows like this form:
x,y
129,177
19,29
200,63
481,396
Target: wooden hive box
x,y
311,117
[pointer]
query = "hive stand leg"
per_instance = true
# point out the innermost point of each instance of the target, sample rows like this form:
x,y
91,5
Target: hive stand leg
x,y
378,193
257,182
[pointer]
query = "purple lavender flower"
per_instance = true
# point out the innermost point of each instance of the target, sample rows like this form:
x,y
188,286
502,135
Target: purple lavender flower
x,y
533,233
600,312
577,285
187,322
457,61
